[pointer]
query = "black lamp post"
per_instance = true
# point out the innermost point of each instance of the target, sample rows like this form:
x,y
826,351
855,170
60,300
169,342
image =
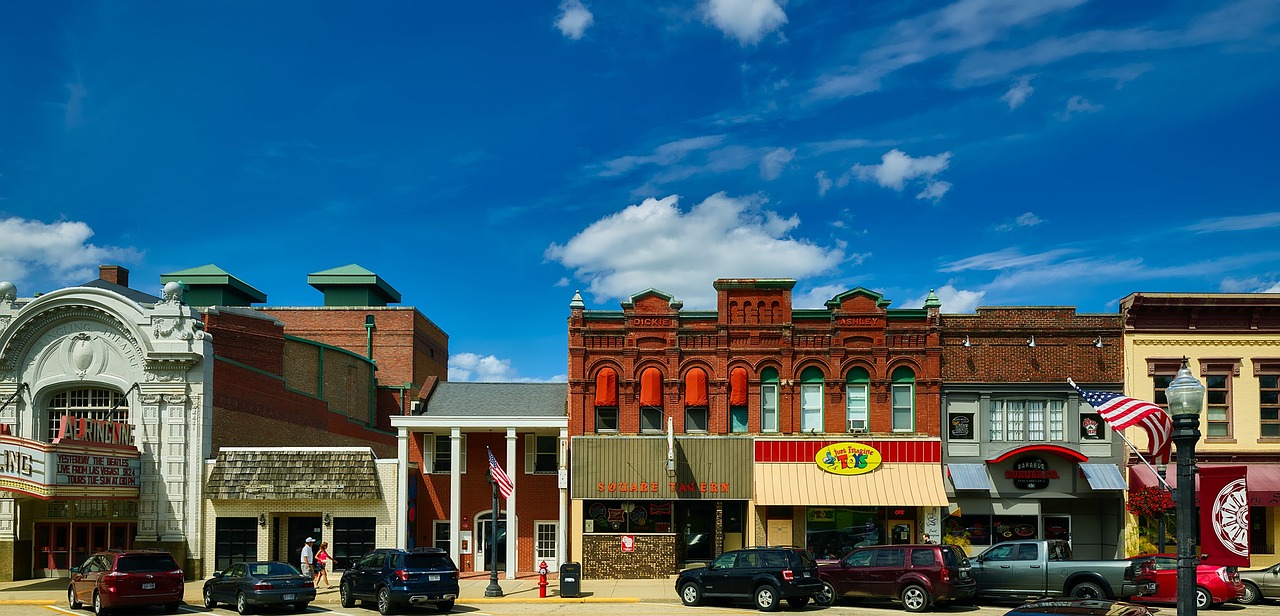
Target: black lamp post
x,y
493,589
1186,399
1164,514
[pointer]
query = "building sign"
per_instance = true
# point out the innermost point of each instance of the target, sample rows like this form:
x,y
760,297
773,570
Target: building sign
x,y
64,470
85,430
628,544
1031,473
632,488
848,458
961,427
1092,428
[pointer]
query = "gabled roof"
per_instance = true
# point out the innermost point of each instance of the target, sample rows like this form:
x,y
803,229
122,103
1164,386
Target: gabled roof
x,y
213,276
881,302
498,399
353,276
670,299
294,474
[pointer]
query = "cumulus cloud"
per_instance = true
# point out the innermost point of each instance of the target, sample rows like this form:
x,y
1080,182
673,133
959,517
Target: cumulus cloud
x,y
774,161
1078,104
748,21
55,254
574,19
953,300
1018,92
476,368
824,183
656,244
897,168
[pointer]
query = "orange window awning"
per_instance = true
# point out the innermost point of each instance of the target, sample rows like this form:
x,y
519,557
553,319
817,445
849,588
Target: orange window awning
x,y
738,387
607,387
651,387
695,388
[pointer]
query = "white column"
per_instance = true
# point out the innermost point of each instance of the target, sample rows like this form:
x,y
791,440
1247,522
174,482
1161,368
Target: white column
x,y
513,535
562,529
455,496
402,488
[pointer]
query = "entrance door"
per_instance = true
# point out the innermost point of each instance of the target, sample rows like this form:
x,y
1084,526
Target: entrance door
x,y
697,522
299,529
484,526
544,545
902,532
778,532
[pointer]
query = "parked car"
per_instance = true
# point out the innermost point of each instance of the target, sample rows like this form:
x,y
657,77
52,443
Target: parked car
x,y
395,578
1077,607
1215,584
1044,568
247,585
1260,584
126,578
917,575
766,575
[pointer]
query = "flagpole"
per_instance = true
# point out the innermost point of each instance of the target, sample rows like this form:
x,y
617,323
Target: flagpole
x,y
1163,483
493,589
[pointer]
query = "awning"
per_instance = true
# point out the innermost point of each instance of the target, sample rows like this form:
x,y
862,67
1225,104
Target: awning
x,y
969,476
1104,476
892,484
1262,480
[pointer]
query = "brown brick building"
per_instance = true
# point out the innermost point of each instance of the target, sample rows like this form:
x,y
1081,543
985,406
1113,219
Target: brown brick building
x,y
693,432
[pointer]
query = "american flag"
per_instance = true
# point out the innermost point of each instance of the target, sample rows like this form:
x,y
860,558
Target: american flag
x,y
505,486
1121,411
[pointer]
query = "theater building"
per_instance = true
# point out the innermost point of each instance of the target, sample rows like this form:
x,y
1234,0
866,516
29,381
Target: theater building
x,y
1026,457
693,432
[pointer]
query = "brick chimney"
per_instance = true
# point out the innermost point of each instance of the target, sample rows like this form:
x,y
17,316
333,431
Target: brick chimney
x,y
114,274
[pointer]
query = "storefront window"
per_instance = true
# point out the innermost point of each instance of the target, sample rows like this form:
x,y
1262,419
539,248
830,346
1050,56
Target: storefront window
x,y
831,532
89,403
627,517
989,530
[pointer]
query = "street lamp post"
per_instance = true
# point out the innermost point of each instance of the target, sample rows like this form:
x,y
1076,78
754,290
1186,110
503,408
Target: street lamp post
x,y
1186,399
1164,514
493,589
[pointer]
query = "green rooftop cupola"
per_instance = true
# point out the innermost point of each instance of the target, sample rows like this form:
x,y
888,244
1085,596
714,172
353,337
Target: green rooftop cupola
x,y
210,285
352,285
932,301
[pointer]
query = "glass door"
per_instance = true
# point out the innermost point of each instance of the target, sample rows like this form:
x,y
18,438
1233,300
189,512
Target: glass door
x,y
485,552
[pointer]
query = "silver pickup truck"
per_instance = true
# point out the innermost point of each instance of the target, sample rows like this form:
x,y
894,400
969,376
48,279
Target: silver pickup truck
x,y
1019,569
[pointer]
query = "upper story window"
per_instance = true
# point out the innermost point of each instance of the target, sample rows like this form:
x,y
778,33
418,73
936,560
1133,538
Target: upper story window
x,y
738,400
97,403
606,406
541,454
1268,397
437,453
1016,420
811,400
856,387
769,400
695,400
651,411
904,399
1217,375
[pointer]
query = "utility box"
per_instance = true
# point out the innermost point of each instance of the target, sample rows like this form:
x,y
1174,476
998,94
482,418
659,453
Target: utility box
x,y
570,579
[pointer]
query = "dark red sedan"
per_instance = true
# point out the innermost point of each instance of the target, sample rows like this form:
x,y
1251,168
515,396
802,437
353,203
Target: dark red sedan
x,y
1215,585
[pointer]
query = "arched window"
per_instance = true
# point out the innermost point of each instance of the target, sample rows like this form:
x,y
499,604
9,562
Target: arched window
x,y
855,395
98,403
811,400
606,400
904,399
769,400
738,400
695,400
651,412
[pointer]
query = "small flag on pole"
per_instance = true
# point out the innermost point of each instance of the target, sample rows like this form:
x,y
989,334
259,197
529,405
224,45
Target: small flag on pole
x,y
505,486
1121,411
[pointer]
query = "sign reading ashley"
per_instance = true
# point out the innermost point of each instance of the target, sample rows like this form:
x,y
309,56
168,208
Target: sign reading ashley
x,y
848,458
87,430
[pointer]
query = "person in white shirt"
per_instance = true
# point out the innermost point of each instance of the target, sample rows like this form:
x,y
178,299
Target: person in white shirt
x,y
308,558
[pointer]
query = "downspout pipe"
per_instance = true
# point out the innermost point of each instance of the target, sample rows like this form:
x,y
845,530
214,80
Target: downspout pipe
x,y
369,326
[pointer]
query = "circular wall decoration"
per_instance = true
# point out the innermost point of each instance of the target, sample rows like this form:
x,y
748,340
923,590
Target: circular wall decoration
x,y
1231,517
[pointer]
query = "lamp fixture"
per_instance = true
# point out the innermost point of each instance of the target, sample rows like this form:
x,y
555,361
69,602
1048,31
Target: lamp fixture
x,y
628,506
965,342
328,520
262,520
1098,342
1031,342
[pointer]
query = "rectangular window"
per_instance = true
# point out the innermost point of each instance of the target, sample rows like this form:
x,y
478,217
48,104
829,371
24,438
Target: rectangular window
x,y
441,530
1269,404
811,407
1015,415
651,419
995,420
606,419
1027,420
904,408
1217,398
738,419
695,419
437,451
768,407
541,454
1035,420
856,408
1056,421
353,538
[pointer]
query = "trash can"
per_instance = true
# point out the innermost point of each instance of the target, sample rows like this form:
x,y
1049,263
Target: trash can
x,y
570,579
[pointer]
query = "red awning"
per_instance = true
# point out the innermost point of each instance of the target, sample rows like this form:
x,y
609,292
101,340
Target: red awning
x,y
738,387
1057,450
1262,480
606,387
650,387
695,388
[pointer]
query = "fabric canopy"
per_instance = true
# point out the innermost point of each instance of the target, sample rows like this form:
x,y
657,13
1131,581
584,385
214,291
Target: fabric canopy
x,y
1103,476
695,388
738,387
969,476
893,484
607,387
651,387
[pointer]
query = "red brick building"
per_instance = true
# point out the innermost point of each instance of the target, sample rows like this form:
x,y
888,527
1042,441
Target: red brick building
x,y
694,432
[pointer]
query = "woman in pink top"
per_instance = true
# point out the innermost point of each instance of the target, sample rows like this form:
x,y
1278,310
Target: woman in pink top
x,y
322,564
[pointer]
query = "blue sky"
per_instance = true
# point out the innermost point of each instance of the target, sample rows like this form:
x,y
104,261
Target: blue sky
x,y
489,159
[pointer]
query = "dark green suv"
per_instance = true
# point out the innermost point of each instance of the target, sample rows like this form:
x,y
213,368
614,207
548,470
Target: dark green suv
x,y
766,575
396,578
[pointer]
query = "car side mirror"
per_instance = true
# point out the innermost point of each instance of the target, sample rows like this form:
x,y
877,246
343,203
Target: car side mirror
x,y
75,569
217,574
978,559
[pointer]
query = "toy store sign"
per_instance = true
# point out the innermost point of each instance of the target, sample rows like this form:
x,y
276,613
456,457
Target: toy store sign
x,y
47,470
1031,473
848,458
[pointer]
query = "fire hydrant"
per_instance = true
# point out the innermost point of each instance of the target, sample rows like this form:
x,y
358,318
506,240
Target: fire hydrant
x,y
542,579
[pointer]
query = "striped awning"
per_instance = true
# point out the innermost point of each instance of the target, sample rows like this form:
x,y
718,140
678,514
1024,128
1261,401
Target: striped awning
x,y
1104,476
892,484
969,476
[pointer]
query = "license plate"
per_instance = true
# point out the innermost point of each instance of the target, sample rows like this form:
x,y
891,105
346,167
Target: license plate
x,y
1149,588
290,597
148,586
434,577
804,574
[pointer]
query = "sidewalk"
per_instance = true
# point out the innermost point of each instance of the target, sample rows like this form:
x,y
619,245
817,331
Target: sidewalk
x,y
471,591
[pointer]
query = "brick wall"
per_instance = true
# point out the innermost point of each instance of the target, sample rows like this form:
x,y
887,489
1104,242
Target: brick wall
x,y
655,557
998,351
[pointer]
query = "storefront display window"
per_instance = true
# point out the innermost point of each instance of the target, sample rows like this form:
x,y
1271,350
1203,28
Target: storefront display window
x,y
989,530
831,532
627,517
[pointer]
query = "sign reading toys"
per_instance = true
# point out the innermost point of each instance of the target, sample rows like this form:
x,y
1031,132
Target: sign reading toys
x,y
848,458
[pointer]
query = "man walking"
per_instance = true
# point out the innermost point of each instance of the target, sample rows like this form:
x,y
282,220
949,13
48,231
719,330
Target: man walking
x,y
308,558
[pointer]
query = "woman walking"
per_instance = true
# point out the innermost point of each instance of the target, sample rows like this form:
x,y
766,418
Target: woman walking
x,y
323,561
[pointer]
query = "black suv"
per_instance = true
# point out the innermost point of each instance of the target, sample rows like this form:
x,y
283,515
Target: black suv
x,y
767,575
395,578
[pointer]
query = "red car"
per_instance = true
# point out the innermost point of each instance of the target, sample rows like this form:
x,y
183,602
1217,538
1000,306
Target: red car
x,y
126,578
1215,585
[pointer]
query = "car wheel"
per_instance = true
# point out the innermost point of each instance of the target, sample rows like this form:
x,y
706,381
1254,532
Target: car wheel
x,y
1203,599
797,602
384,602
97,604
345,597
171,608
208,599
1087,590
1251,594
300,606
445,606
766,598
71,599
242,604
690,594
825,597
915,598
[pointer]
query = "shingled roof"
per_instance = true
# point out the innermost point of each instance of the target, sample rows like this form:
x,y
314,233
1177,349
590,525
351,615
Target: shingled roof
x,y
488,399
293,473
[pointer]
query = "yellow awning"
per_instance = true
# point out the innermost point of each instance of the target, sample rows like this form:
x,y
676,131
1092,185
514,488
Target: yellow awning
x,y
893,484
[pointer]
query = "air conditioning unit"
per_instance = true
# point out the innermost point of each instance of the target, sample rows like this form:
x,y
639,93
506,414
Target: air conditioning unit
x,y
857,425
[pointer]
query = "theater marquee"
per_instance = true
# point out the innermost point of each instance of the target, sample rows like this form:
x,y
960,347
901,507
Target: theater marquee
x,y
68,470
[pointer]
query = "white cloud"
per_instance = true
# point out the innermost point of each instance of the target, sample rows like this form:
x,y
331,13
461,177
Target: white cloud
x,y
574,19
773,162
55,253
1078,104
897,168
1018,92
476,368
1025,220
1248,285
655,244
665,154
824,183
1237,223
1122,74
748,21
1004,259
953,300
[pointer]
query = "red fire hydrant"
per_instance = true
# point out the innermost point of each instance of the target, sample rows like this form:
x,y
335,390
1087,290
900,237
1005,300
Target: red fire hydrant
x,y
542,579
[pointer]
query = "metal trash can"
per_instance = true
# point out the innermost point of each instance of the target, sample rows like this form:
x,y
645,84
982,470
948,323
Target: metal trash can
x,y
570,579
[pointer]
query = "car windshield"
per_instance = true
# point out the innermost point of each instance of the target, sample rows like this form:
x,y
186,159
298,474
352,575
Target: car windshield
x,y
271,569
136,563
427,561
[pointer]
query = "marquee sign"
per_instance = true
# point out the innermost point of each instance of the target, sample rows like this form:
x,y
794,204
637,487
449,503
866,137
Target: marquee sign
x,y
65,470
848,458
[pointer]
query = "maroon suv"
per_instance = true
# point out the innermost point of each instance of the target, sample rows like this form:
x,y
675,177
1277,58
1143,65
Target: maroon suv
x,y
126,578
917,575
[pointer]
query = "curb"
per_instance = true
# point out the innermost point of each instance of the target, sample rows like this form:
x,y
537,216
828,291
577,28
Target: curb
x,y
28,601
